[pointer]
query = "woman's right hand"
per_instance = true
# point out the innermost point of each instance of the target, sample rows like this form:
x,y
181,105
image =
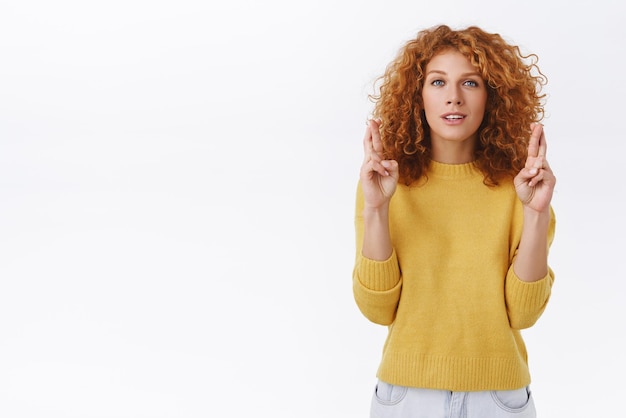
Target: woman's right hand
x,y
378,177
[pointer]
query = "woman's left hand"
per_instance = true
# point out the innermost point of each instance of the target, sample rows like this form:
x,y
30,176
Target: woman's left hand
x,y
535,182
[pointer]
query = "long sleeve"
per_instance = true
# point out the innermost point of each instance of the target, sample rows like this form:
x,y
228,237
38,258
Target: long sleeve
x,y
525,302
376,284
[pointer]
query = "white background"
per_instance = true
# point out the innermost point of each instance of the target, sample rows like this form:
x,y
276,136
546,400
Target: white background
x,y
176,203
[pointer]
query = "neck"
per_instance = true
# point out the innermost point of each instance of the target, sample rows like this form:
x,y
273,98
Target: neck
x,y
453,152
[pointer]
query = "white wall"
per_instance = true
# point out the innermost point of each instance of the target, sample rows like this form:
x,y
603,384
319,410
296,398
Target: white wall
x,y
176,197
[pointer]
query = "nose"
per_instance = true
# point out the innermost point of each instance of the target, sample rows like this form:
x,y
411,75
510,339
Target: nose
x,y
454,96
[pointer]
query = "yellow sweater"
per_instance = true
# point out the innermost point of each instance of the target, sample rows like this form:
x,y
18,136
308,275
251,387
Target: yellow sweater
x,y
448,292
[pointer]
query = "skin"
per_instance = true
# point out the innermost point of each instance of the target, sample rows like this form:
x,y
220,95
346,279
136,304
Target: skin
x,y
534,184
452,85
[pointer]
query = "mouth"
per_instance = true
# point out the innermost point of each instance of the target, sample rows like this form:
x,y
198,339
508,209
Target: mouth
x,y
453,116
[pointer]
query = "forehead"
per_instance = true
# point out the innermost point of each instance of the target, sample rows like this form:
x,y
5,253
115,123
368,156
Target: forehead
x,y
450,61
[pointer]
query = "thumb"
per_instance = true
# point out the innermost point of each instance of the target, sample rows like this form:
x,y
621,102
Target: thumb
x,y
525,175
392,167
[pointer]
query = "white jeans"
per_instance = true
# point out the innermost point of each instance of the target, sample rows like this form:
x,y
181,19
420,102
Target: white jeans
x,y
390,401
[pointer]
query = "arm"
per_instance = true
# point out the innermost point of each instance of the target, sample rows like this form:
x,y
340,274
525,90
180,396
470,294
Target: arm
x,y
376,237
531,263
378,179
526,300
529,281
534,185
376,275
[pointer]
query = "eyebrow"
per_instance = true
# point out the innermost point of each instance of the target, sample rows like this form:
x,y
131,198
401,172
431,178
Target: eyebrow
x,y
473,73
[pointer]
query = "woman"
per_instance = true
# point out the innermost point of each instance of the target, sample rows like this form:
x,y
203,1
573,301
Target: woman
x,y
453,226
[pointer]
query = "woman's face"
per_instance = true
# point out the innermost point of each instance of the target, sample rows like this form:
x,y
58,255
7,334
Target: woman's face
x,y
455,97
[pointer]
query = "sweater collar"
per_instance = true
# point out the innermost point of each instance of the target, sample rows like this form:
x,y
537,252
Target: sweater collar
x,y
466,170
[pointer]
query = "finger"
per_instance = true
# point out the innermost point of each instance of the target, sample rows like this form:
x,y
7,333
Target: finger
x,y
529,176
367,142
371,167
368,147
539,162
392,168
533,143
543,146
526,174
544,176
537,179
546,166
377,142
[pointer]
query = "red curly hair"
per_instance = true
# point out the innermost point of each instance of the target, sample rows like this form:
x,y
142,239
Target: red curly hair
x,y
513,81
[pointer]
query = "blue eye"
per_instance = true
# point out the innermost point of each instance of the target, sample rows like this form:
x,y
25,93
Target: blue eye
x,y
470,83
437,83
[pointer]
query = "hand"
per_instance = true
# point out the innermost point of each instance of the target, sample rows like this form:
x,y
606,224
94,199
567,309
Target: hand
x,y
535,182
378,177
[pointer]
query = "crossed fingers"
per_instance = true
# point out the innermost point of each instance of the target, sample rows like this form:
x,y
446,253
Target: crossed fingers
x,y
536,162
373,149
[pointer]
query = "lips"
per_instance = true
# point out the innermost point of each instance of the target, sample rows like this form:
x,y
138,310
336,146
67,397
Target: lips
x,y
453,119
453,116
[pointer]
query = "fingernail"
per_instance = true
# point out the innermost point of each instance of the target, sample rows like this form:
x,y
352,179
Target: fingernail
x,y
533,171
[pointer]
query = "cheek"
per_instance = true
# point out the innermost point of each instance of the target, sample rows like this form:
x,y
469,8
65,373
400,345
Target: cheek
x,y
480,105
484,101
430,115
429,108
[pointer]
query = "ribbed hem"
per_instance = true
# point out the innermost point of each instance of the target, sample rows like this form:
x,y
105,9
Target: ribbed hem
x,y
454,374
379,276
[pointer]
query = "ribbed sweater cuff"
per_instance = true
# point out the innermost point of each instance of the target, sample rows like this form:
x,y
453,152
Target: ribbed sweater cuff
x,y
378,276
528,296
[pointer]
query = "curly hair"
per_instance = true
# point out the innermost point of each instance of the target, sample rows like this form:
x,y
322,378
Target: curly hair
x,y
514,84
